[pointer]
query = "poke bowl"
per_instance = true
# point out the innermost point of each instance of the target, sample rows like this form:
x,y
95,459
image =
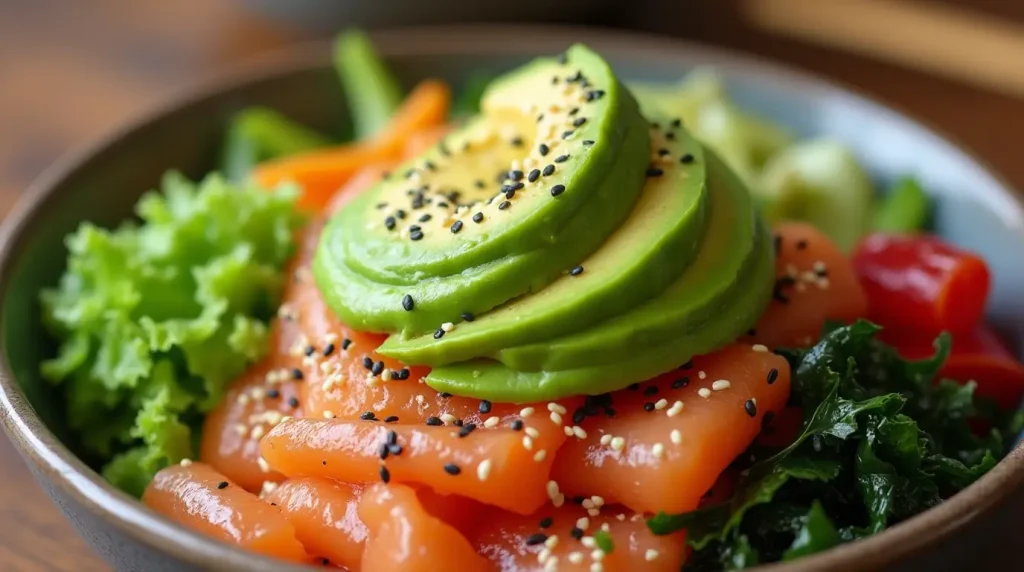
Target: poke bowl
x,y
619,302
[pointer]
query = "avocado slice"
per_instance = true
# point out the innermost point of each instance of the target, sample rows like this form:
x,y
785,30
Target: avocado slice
x,y
717,298
820,182
521,194
651,249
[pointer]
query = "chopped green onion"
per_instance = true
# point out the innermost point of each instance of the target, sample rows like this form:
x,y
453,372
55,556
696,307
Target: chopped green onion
x,y
260,133
904,209
372,91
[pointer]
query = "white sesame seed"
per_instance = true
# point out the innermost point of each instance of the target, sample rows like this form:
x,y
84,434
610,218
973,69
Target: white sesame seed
x,y
819,266
597,555
539,455
702,375
651,555
676,409
606,438
543,555
568,431
597,567
447,326
721,385
556,418
241,428
257,432
532,432
576,557
618,443
661,404
327,385
598,501
258,393
593,511
556,408
676,437
552,488
325,366
606,527
583,523
558,501
447,418
658,450
483,470
527,443
526,412
588,503
328,414
760,348
704,392
588,542
263,465
242,399
268,487
492,422
186,462
579,432
551,565
285,418
386,375
620,517
552,541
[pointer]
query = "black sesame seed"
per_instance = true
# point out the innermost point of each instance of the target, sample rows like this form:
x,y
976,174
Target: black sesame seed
x,y
273,393
415,228
293,402
588,142
516,142
297,374
576,271
579,121
368,416
680,383
517,425
403,373
509,192
428,165
309,351
801,244
633,386
677,122
536,538
767,419
548,170
503,205
410,173
546,522
544,150
392,437
579,416
540,118
417,235
515,175
400,214
384,474
567,133
752,332
328,350
444,395
561,158
557,190
391,419
457,422
434,421
651,390
594,95
479,184
467,429
648,407
687,158
390,222
438,334
575,77
426,217
670,136
408,303
395,449
222,485
654,172
345,343
750,407
456,227
773,374
609,412
574,111
467,317
485,406
478,218
382,451
576,533
378,368
452,469
367,362
687,365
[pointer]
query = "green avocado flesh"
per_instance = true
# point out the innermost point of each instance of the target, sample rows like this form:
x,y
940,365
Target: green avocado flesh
x,y
715,300
651,248
518,197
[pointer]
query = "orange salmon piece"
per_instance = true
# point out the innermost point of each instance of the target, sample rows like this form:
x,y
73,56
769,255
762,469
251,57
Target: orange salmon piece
x,y
405,538
326,518
206,501
671,437
814,283
517,543
488,465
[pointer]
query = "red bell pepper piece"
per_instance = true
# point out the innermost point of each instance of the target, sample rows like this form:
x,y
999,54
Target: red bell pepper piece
x,y
978,355
921,283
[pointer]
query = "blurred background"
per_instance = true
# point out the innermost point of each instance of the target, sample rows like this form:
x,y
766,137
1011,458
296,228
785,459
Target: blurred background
x,y
71,70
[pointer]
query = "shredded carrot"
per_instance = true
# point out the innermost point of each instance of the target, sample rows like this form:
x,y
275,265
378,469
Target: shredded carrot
x,y
321,172
420,141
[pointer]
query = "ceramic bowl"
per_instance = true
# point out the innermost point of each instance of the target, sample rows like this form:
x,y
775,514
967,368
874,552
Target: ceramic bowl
x,y
102,182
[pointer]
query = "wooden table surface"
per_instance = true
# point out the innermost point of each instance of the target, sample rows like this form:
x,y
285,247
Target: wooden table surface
x,y
114,57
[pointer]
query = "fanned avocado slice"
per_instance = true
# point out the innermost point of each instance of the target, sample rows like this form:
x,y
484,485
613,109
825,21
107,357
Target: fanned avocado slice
x,y
717,298
496,382
524,192
651,249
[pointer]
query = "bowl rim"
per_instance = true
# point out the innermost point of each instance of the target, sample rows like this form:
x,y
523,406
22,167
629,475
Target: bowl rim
x,y
46,454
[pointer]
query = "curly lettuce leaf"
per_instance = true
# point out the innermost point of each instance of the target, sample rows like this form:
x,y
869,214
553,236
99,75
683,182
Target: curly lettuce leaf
x,y
881,442
155,318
